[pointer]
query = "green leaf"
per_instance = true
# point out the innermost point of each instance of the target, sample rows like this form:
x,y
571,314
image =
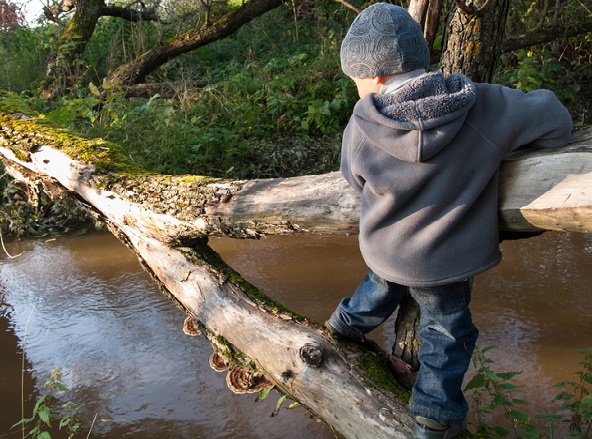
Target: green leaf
x,y
60,387
477,382
264,394
44,435
45,414
507,386
563,396
565,383
23,421
279,405
488,348
549,417
520,402
508,375
94,89
502,431
519,416
40,401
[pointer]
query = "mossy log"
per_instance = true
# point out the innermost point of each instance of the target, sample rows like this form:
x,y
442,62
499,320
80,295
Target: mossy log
x,y
166,220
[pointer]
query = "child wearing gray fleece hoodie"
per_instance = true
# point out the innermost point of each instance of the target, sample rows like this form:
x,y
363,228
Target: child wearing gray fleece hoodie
x,y
424,152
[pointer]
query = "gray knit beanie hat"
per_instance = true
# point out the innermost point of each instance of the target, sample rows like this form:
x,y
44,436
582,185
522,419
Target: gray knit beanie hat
x,y
383,40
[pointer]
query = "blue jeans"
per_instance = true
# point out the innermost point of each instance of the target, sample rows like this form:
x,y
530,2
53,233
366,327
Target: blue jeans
x,y
447,335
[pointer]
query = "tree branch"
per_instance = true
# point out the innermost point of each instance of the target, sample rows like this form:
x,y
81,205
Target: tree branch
x,y
545,35
128,14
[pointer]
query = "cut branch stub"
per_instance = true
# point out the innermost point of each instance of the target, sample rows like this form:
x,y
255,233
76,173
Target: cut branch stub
x,y
311,355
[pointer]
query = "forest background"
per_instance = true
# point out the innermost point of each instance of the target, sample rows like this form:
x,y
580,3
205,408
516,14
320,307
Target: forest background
x,y
268,100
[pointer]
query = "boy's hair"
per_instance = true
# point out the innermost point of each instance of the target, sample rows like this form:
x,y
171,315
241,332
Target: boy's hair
x,y
383,40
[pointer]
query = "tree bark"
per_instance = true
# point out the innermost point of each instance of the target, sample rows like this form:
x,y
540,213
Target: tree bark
x,y
166,220
344,384
407,340
63,68
427,13
474,38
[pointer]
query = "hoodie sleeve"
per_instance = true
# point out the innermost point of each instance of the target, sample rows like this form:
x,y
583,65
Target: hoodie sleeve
x,y
537,118
349,149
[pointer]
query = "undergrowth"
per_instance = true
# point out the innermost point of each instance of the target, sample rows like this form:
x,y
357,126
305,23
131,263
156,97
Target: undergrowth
x,y
50,411
494,393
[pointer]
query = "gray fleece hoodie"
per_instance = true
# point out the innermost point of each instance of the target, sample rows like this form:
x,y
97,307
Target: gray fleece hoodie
x,y
426,159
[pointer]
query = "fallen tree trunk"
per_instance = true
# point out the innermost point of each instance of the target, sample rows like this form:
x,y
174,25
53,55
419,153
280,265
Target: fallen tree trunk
x,y
166,220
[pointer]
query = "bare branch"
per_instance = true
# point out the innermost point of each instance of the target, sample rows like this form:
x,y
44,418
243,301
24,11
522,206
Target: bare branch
x,y
128,14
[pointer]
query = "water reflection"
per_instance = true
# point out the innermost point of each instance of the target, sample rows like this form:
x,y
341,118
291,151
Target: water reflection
x,y
101,320
118,341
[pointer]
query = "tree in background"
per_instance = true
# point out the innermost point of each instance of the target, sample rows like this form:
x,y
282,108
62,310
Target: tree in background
x,y
211,21
10,16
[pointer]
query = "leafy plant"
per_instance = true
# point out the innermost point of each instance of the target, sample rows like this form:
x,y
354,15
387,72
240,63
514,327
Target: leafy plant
x,y
49,411
492,392
578,402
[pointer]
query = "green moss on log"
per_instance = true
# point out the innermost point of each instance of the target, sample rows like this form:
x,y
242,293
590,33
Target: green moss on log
x,y
379,376
23,135
198,252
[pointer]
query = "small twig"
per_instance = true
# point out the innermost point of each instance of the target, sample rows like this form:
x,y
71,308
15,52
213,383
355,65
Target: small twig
x,y
585,7
6,251
23,369
91,425
348,5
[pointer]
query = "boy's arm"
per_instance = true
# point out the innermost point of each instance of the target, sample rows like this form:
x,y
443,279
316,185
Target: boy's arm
x,y
348,152
537,118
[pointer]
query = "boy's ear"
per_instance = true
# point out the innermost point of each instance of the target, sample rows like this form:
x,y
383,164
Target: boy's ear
x,y
380,80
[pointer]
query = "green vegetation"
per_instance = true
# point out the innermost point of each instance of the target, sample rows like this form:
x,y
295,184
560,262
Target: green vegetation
x,y
49,411
493,393
273,109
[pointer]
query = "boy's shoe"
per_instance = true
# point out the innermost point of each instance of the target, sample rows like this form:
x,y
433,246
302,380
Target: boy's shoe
x,y
426,428
352,336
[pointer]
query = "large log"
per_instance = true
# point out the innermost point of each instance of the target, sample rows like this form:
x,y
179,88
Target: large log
x,y
167,220
348,386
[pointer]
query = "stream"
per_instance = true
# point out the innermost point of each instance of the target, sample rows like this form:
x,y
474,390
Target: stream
x,y
84,305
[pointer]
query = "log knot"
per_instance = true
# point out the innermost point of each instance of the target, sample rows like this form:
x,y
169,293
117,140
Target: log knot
x,y
311,355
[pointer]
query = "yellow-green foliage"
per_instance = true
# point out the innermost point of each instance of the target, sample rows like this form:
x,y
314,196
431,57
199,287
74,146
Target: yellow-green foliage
x,y
11,103
23,134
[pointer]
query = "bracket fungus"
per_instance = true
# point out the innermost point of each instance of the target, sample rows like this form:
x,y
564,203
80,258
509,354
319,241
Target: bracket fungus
x,y
243,380
190,327
218,362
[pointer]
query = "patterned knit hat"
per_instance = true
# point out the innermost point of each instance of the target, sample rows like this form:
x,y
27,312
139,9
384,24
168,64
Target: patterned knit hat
x,y
383,40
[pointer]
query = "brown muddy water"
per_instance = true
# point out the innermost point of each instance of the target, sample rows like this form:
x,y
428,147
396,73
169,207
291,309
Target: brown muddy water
x,y
93,313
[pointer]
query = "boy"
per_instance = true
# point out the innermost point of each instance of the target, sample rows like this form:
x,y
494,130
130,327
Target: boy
x,y
424,153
